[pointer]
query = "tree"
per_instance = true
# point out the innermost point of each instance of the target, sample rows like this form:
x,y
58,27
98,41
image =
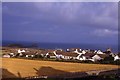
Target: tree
x,y
48,56
117,62
108,59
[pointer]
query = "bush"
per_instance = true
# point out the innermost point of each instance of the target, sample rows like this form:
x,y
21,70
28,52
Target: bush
x,y
38,56
88,61
109,58
48,56
117,62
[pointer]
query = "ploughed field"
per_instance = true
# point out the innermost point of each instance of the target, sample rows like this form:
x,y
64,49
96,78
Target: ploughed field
x,y
13,67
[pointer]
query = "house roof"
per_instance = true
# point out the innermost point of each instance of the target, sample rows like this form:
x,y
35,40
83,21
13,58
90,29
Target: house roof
x,y
29,53
118,54
107,52
51,54
49,50
43,52
58,52
74,49
103,55
71,54
88,54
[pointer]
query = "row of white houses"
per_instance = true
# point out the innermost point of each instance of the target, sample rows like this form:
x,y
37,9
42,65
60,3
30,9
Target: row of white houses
x,y
73,53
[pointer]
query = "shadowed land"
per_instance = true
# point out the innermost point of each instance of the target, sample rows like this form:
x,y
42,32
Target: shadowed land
x,y
26,68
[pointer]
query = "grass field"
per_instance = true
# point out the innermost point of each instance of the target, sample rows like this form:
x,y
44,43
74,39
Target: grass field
x,y
23,68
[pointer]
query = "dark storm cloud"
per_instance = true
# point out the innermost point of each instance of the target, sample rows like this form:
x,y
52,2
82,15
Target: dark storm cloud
x,y
54,19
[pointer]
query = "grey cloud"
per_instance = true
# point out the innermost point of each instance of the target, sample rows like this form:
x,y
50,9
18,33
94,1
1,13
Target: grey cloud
x,y
84,14
103,15
104,32
66,14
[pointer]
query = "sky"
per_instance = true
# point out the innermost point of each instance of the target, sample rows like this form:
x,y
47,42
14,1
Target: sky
x,y
60,22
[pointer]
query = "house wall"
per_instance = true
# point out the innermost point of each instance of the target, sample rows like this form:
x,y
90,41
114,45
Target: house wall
x,y
19,51
74,57
99,52
84,58
83,52
96,57
65,57
52,56
58,56
81,59
116,58
78,57
26,56
6,56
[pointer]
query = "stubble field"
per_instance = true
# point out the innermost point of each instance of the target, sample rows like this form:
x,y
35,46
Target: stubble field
x,y
23,68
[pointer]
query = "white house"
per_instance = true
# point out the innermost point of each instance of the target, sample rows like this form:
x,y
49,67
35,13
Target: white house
x,y
87,56
58,49
82,58
76,51
95,51
20,51
51,54
116,57
98,57
70,55
79,51
73,50
42,53
12,54
112,54
67,55
58,54
6,56
68,50
83,51
99,52
27,55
